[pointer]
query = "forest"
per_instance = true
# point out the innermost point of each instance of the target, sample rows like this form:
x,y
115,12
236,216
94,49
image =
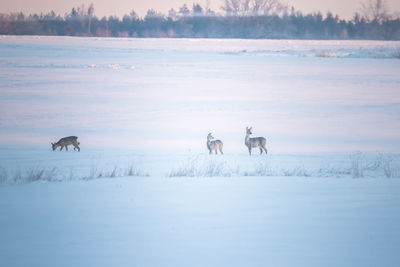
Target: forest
x,y
255,19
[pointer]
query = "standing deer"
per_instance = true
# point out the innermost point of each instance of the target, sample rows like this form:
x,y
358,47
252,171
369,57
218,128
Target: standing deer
x,y
64,142
214,145
259,142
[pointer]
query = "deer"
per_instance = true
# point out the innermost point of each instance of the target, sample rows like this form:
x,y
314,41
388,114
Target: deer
x,y
259,142
65,142
214,145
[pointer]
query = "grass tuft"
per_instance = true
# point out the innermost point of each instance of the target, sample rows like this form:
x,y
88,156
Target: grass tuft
x,y
201,167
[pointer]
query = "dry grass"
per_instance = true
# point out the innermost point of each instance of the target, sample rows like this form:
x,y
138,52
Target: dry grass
x,y
201,167
359,165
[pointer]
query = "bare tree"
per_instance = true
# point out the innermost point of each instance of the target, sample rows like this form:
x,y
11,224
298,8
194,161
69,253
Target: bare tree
x,y
252,7
90,13
236,7
264,7
81,10
375,10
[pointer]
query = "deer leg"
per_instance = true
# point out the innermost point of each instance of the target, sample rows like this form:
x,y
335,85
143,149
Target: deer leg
x,y
220,150
260,150
76,146
61,147
266,151
250,151
66,147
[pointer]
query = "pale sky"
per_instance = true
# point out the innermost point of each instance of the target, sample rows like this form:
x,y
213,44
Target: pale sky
x,y
344,8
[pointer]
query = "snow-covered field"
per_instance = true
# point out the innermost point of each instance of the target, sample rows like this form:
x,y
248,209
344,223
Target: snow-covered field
x,y
143,191
139,221
166,95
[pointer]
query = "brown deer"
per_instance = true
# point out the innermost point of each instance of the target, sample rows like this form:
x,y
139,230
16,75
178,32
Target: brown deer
x,y
259,142
214,145
65,142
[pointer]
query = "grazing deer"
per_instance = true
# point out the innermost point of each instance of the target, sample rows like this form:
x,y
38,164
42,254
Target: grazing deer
x,y
214,145
259,142
64,142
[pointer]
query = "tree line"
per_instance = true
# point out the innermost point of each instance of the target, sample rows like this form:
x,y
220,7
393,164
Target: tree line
x,y
268,19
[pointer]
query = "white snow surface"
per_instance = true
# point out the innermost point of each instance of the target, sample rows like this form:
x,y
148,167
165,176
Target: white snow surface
x,y
143,190
242,221
168,94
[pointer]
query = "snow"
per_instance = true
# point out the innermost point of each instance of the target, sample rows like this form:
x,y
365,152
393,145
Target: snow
x,y
24,165
202,222
143,190
181,89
